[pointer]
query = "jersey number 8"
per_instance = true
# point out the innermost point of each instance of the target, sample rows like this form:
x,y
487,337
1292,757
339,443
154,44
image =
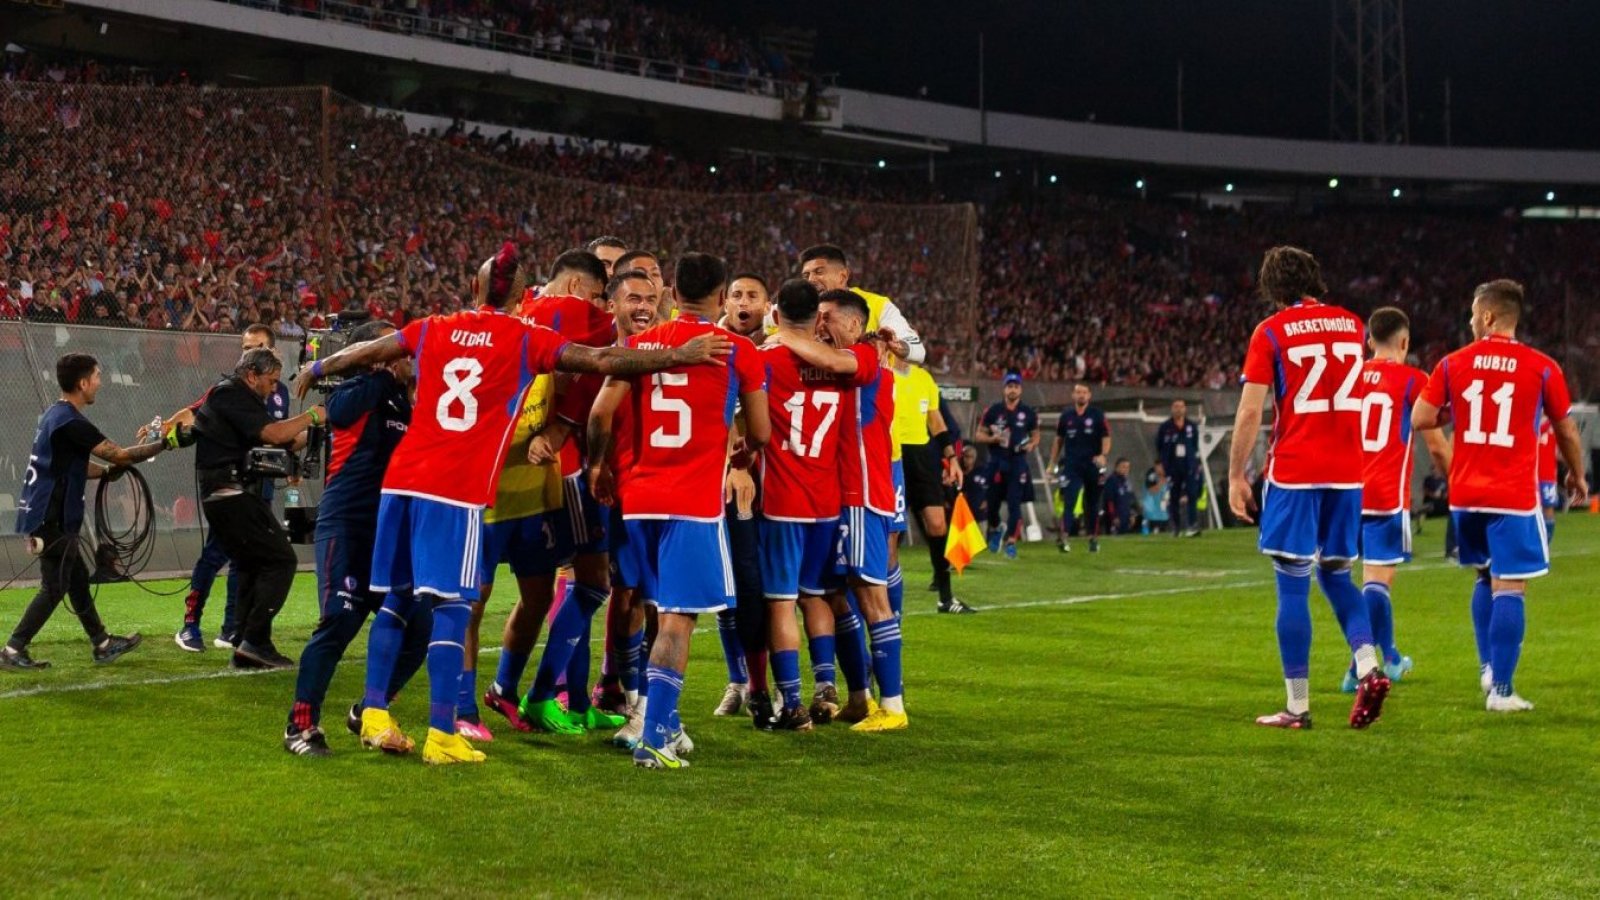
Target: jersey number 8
x,y
461,376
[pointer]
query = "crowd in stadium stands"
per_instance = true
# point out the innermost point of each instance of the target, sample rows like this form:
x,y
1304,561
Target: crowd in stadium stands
x,y
611,34
213,213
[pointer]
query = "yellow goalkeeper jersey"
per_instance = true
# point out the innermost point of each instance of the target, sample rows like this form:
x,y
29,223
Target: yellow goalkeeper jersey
x,y
526,489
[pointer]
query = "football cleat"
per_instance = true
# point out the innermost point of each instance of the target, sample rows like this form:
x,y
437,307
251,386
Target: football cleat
x,y
1498,702
680,743
609,698
733,699
760,709
595,719
957,607
1063,546
1398,670
547,716
1094,545
505,706
995,537
474,731
857,710
883,720
824,703
188,638
647,757
227,640
114,647
311,742
20,661
379,731
793,718
1349,684
632,733
352,719
1369,699
1486,679
1286,719
1011,549
448,749
260,657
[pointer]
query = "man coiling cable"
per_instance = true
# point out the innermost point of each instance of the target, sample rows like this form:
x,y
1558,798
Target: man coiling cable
x,y
50,513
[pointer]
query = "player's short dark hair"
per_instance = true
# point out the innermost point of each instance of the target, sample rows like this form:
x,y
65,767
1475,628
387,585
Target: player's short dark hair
x,y
579,262
606,240
1121,460
258,328
1386,324
829,252
850,301
625,260
797,300
699,275
615,284
752,277
1288,274
370,331
73,368
1502,296
260,361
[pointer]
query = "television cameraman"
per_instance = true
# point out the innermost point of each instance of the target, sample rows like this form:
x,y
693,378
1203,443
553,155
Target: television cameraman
x,y
51,511
232,422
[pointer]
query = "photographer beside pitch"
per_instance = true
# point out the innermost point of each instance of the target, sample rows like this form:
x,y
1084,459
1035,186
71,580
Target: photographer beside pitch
x,y
232,422
51,511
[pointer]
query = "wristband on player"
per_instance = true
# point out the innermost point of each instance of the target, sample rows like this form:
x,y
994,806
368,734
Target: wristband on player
x,y
315,419
944,442
316,369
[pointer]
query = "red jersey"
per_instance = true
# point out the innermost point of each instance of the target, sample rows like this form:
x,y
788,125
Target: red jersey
x,y
573,318
1547,451
1497,390
472,369
1311,354
574,407
866,446
800,467
680,423
1391,389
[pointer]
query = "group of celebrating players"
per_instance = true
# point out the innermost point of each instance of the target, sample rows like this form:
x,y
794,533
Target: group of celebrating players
x,y
716,448
1338,476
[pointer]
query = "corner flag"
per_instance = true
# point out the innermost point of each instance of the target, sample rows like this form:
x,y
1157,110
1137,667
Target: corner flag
x,y
966,538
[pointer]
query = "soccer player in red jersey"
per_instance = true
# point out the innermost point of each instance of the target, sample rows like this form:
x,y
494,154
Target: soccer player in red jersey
x,y
1391,388
1497,391
673,509
868,498
1309,355
472,369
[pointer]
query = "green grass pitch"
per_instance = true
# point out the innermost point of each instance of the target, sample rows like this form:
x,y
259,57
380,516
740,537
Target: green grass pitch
x,y
1088,734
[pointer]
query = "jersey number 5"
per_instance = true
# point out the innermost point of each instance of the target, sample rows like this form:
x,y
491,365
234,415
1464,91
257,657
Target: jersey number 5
x,y
1317,356
461,376
828,401
661,403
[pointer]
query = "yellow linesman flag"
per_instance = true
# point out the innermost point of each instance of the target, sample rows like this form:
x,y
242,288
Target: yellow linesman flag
x,y
966,538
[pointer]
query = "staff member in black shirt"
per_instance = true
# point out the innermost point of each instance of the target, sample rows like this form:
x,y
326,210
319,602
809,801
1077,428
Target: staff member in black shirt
x,y
51,511
1082,442
232,421
1178,449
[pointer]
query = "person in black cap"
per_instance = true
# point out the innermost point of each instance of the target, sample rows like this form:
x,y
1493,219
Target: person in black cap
x,y
1011,429
51,512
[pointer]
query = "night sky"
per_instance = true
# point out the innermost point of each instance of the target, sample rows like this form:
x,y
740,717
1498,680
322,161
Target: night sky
x,y
1523,72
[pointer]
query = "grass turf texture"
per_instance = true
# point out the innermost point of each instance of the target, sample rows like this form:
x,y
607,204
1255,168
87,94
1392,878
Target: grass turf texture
x,y
1090,731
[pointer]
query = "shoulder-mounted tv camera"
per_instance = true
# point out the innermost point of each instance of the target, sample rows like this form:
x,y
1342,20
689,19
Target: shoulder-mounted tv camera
x,y
322,343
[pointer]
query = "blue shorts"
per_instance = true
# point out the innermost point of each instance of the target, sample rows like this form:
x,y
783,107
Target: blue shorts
x,y
684,565
862,548
897,525
1311,523
533,545
1514,547
426,546
627,566
796,557
344,562
1386,540
587,518
1549,497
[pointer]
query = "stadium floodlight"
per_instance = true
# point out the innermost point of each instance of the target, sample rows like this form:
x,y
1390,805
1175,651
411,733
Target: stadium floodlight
x,y
1395,193
1052,179
883,164
1549,196
1139,184
1333,182
997,173
713,170
1228,187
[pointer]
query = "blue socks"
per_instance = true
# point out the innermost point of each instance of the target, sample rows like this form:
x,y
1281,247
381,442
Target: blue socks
x,y
1381,611
1482,610
578,673
1294,617
508,675
1348,605
822,656
566,632
467,696
632,662
897,591
1549,531
446,652
661,712
852,645
886,656
732,648
383,647
786,672
1506,627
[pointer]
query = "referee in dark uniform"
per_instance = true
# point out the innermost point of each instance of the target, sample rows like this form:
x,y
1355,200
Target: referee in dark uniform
x,y
51,511
1079,451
